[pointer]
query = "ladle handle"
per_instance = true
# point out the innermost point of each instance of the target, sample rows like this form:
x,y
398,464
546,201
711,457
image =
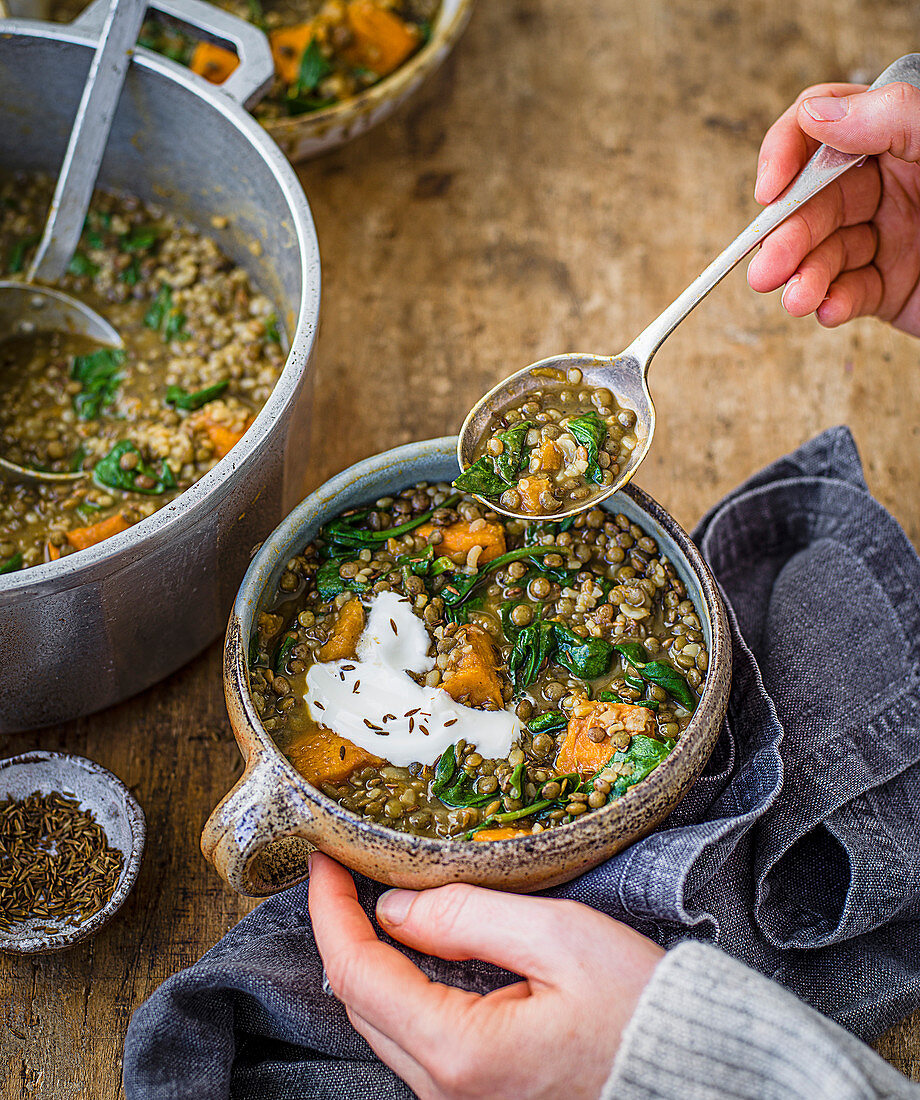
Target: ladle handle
x,y
88,140
823,168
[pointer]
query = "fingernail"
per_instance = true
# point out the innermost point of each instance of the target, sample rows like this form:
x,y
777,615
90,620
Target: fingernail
x,y
393,906
310,864
761,172
827,108
792,282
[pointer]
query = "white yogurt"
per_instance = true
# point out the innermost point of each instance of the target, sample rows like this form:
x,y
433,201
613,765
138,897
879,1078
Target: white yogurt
x,y
373,703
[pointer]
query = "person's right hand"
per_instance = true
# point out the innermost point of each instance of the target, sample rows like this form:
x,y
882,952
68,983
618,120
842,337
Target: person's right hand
x,y
854,249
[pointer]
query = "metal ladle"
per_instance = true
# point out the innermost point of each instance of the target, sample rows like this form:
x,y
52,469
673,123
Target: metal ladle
x,y
25,307
626,374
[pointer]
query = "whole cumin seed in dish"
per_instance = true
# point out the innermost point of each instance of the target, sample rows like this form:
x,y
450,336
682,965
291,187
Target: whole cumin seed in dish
x,y
55,861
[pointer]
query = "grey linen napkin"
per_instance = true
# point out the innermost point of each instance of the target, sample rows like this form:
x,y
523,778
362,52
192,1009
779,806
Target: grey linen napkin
x,y
797,851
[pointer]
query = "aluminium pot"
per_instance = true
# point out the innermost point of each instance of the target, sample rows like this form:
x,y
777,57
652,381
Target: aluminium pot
x,y
95,627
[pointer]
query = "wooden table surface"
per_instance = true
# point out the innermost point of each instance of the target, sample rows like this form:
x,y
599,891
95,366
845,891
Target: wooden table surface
x,y
570,169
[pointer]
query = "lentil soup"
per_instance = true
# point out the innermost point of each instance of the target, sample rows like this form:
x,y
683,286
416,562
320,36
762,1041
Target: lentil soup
x,y
553,450
202,352
445,673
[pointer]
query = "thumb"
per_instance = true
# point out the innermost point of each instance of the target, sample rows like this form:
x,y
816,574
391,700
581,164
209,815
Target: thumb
x,y
534,937
883,120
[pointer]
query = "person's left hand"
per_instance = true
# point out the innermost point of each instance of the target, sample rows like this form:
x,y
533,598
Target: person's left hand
x,y
553,1034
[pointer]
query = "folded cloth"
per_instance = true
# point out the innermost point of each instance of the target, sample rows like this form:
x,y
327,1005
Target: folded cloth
x,y
796,852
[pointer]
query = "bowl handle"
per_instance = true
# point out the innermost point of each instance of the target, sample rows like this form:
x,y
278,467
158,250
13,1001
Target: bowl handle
x,y
249,81
258,837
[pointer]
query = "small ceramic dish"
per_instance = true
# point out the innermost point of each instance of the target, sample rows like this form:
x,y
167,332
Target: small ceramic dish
x,y
115,809
310,135
260,835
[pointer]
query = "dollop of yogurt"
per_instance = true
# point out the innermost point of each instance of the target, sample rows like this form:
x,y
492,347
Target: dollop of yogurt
x,y
377,706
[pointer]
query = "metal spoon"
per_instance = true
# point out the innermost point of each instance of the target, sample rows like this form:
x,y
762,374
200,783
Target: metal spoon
x,y
25,307
626,374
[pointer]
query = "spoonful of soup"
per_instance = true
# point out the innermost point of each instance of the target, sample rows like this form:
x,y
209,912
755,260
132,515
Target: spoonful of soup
x,y
31,314
564,433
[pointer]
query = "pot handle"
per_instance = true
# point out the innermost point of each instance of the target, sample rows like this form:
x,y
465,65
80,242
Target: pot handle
x,y
257,838
249,80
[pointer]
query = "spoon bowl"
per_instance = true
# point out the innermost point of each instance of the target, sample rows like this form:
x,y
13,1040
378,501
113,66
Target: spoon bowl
x,y
626,374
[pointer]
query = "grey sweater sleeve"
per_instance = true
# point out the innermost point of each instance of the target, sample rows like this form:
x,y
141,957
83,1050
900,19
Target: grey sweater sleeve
x,y
708,1028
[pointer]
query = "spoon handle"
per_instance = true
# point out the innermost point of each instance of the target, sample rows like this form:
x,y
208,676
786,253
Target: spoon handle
x,y
88,139
824,167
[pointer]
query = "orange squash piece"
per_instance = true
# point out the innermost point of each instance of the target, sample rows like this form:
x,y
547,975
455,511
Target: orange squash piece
x,y
52,552
457,538
288,45
504,832
80,538
381,41
349,622
579,753
530,489
223,439
324,757
212,62
474,679
548,456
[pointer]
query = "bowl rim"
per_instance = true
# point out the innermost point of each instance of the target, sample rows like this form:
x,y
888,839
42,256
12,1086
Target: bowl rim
x,y
207,493
239,699
130,809
444,35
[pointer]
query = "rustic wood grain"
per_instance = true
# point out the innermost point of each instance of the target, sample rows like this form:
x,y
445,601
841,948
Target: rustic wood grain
x,y
558,183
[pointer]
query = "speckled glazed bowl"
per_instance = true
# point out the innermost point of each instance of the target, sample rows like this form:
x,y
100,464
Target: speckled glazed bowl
x,y
310,135
260,835
114,808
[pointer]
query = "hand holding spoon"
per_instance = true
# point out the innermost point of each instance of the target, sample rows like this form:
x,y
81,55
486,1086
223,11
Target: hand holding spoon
x,y
26,307
626,374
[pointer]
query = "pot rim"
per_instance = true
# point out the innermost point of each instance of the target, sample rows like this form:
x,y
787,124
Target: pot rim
x,y
206,494
417,68
239,700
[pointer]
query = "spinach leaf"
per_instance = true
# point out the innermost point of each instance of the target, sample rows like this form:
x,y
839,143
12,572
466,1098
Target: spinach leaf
x,y
460,586
634,682
98,374
667,677
590,431
284,652
182,399
514,456
313,67
272,332
533,647
165,318
453,786
533,531
343,532
81,264
481,478
634,652
76,459
17,257
645,754
109,472
140,239
11,565
516,784
549,720
510,816
303,105
425,566
329,583
131,275
586,657
658,672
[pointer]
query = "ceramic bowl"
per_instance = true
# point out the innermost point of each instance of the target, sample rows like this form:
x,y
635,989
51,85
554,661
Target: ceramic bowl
x,y
260,835
114,808
310,135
